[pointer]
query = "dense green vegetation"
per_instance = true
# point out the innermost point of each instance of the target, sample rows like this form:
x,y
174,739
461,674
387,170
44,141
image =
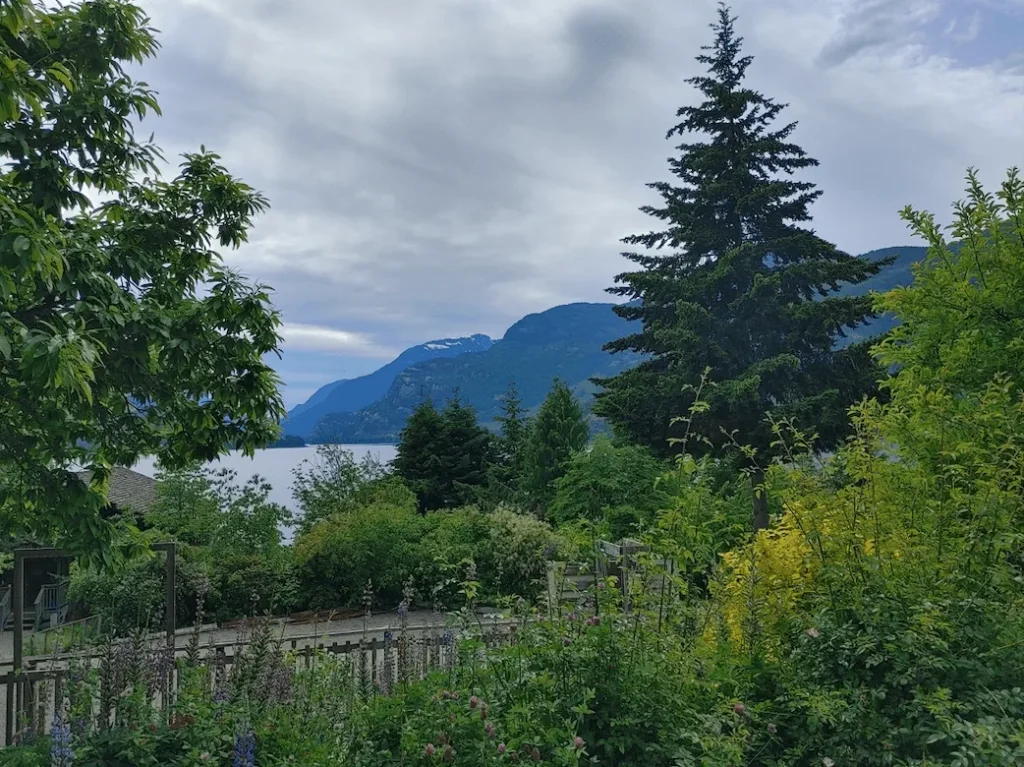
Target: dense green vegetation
x,y
121,332
872,614
748,298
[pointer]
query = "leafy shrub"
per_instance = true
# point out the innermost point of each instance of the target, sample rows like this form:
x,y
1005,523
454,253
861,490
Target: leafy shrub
x,y
134,595
454,538
335,482
517,553
211,509
251,584
339,556
614,483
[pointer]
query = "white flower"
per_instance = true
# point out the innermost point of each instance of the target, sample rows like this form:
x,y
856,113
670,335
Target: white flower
x,y
828,762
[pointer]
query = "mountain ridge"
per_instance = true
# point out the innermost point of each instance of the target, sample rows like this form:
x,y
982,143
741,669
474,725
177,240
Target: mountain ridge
x,y
352,394
565,341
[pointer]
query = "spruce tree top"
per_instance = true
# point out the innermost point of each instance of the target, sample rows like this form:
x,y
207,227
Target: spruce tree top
x,y
742,288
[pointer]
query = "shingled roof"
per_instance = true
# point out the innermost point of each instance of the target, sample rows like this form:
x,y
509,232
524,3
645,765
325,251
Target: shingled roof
x,y
128,489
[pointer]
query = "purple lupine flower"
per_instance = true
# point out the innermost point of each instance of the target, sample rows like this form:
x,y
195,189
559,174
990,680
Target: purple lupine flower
x,y
403,609
61,754
245,750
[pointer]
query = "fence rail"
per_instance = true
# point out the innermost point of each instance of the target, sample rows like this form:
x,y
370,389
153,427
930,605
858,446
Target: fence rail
x,y
30,695
49,602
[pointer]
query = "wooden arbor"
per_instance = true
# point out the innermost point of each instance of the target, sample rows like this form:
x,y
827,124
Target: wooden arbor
x,y
18,681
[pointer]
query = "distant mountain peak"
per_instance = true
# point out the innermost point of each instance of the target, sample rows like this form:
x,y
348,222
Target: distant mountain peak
x,y
565,341
475,342
353,394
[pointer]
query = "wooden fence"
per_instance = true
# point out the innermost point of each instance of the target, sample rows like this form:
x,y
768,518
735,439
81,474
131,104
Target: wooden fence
x,y
29,697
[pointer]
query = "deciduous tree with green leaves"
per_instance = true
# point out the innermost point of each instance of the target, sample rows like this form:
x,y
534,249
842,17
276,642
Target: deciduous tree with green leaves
x,y
746,290
616,485
122,333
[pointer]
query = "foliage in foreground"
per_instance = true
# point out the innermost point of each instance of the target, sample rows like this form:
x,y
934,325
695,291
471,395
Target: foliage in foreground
x,y
121,333
230,555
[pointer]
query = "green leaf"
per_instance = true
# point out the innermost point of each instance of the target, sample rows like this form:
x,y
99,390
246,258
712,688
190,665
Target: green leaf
x,y
59,73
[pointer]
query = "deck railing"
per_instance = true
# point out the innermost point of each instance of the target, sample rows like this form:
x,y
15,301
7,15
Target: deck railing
x,y
49,601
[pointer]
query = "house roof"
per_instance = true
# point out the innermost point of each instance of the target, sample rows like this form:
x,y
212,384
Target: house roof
x,y
128,489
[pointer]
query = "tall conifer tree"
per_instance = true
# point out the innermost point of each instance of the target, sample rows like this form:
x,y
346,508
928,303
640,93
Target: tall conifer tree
x,y
558,432
743,288
418,456
505,474
466,453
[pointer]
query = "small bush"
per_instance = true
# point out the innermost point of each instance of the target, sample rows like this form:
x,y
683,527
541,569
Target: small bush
x,y
134,595
519,549
612,483
251,584
379,544
454,538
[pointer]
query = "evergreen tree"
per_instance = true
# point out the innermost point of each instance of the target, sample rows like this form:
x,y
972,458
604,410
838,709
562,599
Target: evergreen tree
x,y
557,433
466,454
745,291
505,474
444,456
418,458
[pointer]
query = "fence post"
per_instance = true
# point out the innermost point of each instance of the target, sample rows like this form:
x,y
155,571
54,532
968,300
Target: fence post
x,y
171,608
19,632
9,714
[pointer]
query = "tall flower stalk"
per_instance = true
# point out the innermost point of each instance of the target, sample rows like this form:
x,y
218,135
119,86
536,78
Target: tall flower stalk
x,y
61,753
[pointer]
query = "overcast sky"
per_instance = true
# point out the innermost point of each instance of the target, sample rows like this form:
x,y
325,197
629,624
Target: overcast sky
x,y
443,167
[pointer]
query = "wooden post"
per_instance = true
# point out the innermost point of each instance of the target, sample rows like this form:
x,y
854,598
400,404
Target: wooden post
x,y
19,608
171,607
19,637
9,713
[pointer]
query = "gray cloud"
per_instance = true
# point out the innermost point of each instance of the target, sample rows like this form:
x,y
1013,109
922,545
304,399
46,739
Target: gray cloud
x,y
444,168
873,24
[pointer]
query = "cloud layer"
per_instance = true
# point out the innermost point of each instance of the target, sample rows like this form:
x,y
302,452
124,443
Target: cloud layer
x,y
439,169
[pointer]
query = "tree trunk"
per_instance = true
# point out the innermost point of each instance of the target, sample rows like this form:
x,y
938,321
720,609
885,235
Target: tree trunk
x,y
760,497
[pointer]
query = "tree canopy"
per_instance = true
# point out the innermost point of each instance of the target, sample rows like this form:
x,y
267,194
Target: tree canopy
x,y
122,333
745,290
558,432
443,456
